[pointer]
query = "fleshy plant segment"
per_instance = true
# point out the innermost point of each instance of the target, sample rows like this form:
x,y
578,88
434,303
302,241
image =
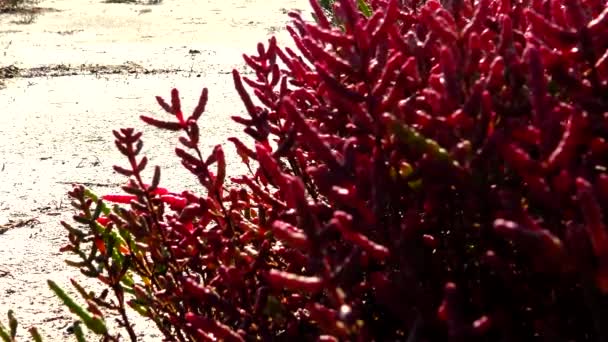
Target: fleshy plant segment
x,y
421,171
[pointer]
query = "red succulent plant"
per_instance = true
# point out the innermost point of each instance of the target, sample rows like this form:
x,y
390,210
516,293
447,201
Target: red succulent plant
x,y
434,171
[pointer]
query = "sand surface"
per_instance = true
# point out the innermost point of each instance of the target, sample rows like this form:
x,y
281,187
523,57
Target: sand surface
x,y
80,69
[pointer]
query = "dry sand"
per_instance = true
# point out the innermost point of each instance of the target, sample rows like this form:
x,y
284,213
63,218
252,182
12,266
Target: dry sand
x,y
81,68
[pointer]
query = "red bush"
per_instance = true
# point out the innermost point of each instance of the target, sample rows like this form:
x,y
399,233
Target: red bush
x,y
430,172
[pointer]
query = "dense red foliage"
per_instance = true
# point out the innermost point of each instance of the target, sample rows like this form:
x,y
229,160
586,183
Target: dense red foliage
x,y
433,172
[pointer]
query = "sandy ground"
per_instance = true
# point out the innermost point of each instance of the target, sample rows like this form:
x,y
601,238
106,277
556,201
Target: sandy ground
x,y
82,68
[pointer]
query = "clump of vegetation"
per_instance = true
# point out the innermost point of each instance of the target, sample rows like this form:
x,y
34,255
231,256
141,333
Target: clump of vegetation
x,y
25,9
17,5
420,171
